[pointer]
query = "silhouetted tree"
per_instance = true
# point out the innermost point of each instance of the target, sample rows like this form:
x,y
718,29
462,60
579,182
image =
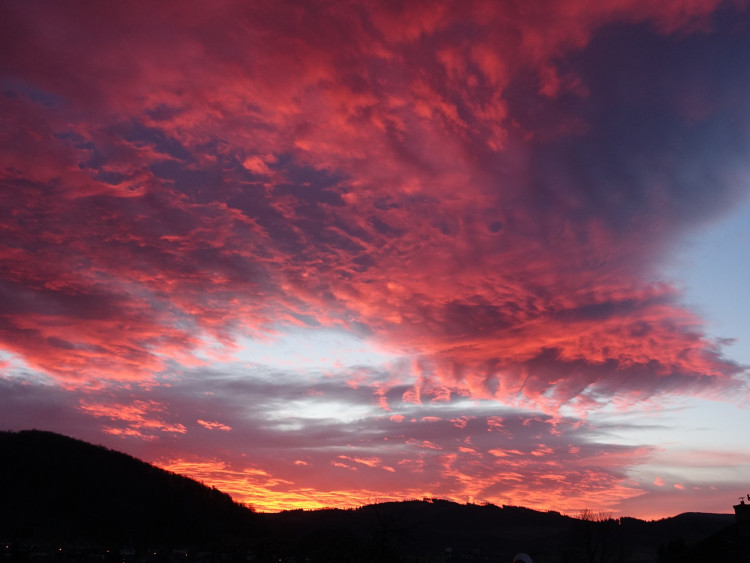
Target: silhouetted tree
x,y
592,537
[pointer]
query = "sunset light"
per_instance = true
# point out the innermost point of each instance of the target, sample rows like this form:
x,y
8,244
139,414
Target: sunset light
x,y
331,254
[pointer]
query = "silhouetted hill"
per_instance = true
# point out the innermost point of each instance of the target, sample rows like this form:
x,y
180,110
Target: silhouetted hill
x,y
728,545
444,531
55,487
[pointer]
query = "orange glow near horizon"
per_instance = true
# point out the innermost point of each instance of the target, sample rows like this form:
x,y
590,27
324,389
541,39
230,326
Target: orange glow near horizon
x,y
264,493
258,490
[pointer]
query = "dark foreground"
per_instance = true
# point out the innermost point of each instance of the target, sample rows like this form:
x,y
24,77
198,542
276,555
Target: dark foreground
x,y
65,500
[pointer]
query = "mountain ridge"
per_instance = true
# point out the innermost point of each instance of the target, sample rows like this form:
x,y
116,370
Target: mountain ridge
x,y
58,488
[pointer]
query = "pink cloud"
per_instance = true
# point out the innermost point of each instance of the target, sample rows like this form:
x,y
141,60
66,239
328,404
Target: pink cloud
x,y
228,261
139,419
460,422
213,425
264,464
431,419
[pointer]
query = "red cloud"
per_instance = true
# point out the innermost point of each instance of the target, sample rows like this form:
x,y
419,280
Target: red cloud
x,y
429,175
539,461
213,425
139,419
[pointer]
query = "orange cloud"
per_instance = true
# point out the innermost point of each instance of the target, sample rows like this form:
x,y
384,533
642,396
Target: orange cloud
x,y
134,419
213,425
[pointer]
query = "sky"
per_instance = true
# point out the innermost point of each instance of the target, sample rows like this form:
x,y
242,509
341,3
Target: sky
x,y
325,254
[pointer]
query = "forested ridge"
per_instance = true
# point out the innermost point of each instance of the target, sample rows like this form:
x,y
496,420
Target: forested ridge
x,y
61,491
53,486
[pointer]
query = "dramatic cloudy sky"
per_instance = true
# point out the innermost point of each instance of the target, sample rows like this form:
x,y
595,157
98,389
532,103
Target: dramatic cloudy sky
x,y
331,253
